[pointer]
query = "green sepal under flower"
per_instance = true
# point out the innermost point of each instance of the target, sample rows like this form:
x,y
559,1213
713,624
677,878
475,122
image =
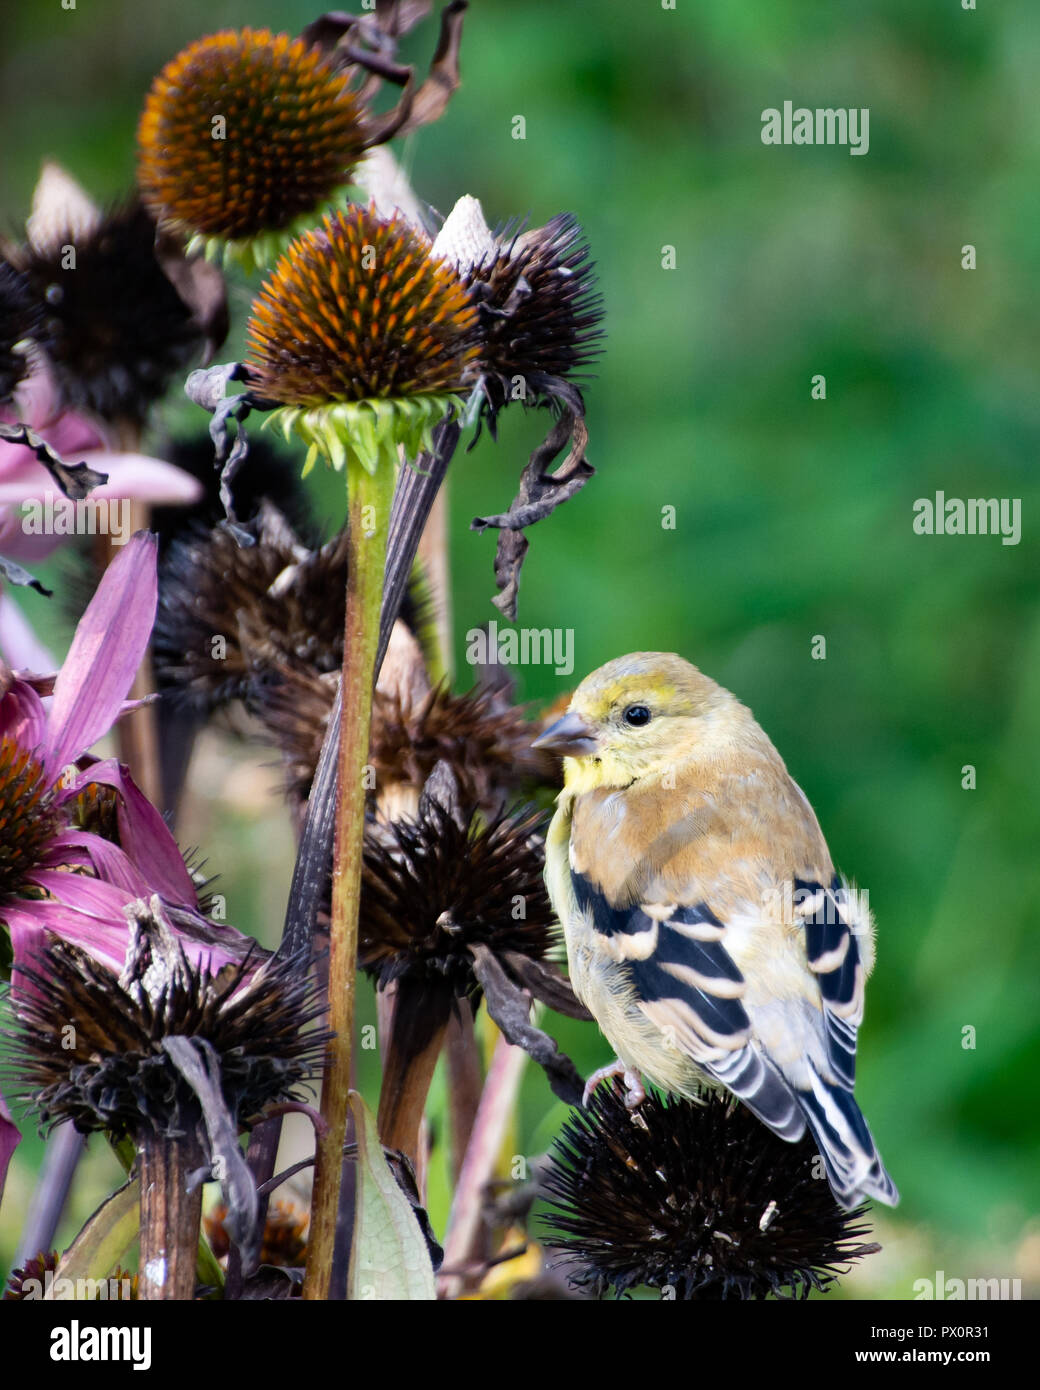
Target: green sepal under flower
x,y
367,432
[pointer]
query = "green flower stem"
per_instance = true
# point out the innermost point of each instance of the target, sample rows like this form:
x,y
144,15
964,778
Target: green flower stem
x,y
369,498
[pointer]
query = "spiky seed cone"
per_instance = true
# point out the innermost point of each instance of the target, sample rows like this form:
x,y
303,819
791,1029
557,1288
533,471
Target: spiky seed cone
x,y
232,617
244,132
113,326
435,887
19,321
539,313
31,1282
357,310
701,1199
485,740
27,820
116,1075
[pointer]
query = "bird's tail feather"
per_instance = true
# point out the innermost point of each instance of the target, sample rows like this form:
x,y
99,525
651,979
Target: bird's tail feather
x,y
850,1156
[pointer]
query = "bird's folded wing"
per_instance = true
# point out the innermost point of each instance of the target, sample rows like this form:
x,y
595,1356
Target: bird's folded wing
x,y
687,984
831,919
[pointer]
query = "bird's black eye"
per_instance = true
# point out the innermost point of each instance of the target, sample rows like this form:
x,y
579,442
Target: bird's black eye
x,y
637,716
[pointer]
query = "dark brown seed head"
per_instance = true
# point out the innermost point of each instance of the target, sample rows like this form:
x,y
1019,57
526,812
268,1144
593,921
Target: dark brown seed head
x,y
701,1200
27,820
357,310
113,326
232,617
88,1045
19,320
483,737
434,887
539,314
245,131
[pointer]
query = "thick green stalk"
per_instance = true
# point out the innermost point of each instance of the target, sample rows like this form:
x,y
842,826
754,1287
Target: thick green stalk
x,y
369,498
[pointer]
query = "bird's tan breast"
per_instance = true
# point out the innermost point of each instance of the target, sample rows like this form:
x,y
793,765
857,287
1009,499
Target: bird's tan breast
x,y
723,835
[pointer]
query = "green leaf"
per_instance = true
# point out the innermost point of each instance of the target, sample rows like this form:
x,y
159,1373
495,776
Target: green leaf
x,y
105,1239
389,1258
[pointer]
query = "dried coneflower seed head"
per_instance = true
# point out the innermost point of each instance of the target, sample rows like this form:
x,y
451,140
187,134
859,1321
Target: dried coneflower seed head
x,y
233,616
88,1046
36,1279
436,887
245,132
113,326
482,736
362,337
19,321
539,314
27,820
698,1199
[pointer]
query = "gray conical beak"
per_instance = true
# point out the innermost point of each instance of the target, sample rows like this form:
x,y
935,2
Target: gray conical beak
x,y
570,737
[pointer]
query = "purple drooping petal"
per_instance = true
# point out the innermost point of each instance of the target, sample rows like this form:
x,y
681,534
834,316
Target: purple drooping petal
x,y
103,938
143,478
93,916
10,1138
107,860
143,834
23,718
106,651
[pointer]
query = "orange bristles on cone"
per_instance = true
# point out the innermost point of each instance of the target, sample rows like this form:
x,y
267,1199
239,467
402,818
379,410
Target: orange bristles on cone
x,y
244,132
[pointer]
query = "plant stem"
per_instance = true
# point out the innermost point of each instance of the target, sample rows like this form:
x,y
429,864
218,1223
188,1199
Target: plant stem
x,y
465,1082
171,1217
369,499
416,489
60,1160
493,1121
409,1060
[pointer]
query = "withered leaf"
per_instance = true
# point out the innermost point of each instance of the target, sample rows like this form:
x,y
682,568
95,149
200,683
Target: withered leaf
x,y
539,494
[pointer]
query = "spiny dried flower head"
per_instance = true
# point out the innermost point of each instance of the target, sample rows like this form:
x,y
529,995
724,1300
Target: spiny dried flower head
x,y
244,133
38,1278
697,1198
19,321
539,314
89,1047
481,734
234,616
113,325
437,886
362,339
27,820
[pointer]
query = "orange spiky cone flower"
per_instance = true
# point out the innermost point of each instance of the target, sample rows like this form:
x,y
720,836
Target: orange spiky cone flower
x,y
361,339
245,135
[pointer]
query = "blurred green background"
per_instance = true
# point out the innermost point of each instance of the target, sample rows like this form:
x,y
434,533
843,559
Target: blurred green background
x,y
793,516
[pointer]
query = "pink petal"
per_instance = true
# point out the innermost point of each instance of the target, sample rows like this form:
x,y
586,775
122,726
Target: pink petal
x,y
10,1138
23,717
108,861
92,915
111,638
19,645
19,544
104,939
144,835
143,477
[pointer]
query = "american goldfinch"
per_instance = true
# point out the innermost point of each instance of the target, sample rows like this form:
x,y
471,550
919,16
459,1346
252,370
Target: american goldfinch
x,y
706,929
